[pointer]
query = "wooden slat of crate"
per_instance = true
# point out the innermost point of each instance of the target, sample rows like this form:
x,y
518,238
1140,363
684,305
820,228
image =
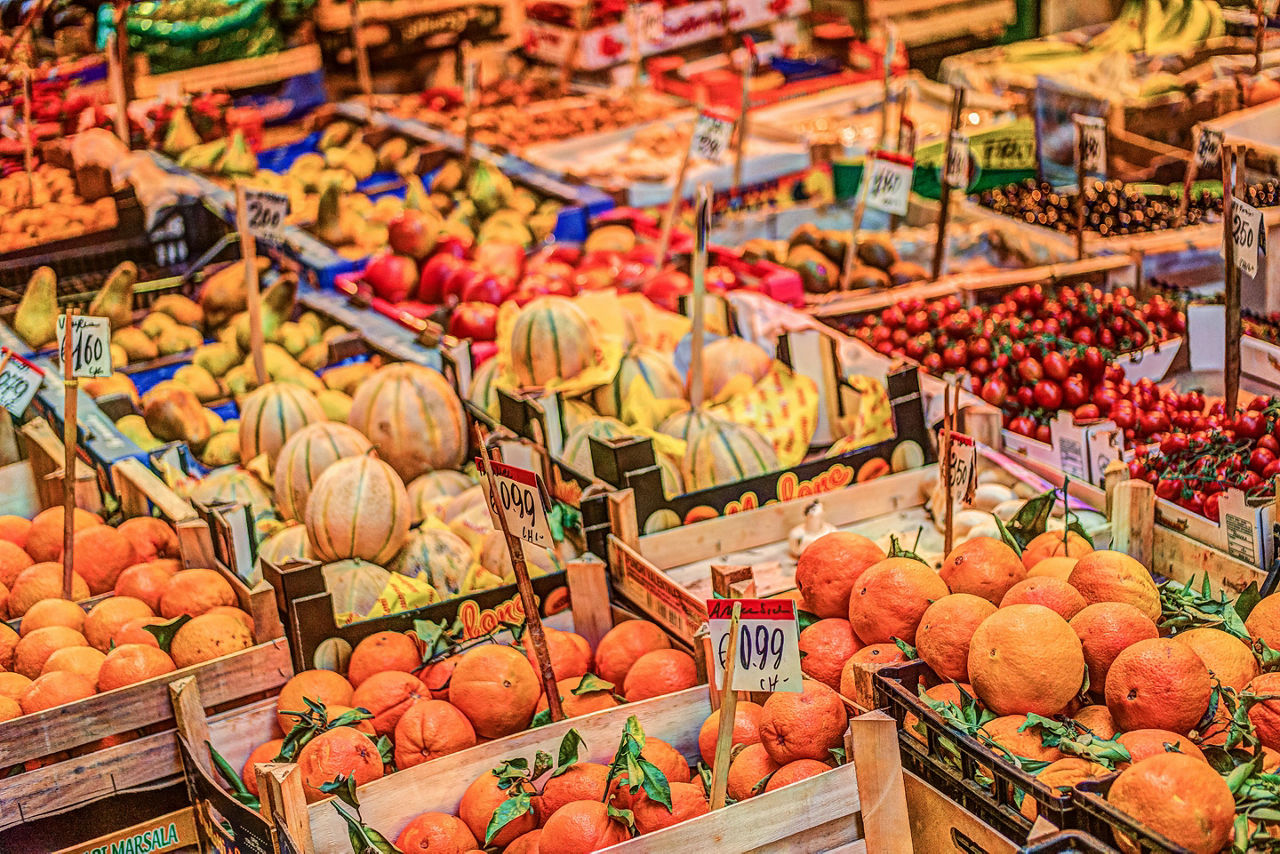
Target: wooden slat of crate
x,y
45,454
926,21
175,831
235,74
941,826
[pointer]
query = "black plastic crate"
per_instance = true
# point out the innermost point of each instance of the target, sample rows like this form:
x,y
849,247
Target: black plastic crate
x,y
1100,819
954,762
1069,842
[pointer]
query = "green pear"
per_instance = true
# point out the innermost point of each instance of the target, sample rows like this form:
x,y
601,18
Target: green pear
x,y
336,404
174,414
214,420
115,300
137,346
155,324
134,428
36,320
181,135
217,358
293,337
222,449
179,339
182,309
314,357
199,381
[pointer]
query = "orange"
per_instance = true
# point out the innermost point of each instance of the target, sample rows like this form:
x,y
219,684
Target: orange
x,y
1054,544
942,640
751,765
1028,743
1263,621
824,648
194,591
147,581
876,655
794,772
12,561
624,644
44,537
9,709
687,801
150,537
662,671
477,806
526,843
33,650
1097,719
436,833
1053,593
579,704
667,759
1105,630
436,677
570,653
1024,659
15,530
101,553
1107,576
13,685
8,641
580,827
344,751
496,689
263,753
1062,776
830,566
1142,743
52,612
1158,684
584,781
1226,656
430,729
983,566
42,581
207,637
1178,797
806,725
135,631
109,616
54,689
336,710
1265,716
382,651
234,613
132,663
75,659
387,696
947,692
746,729
323,686
890,597
1053,567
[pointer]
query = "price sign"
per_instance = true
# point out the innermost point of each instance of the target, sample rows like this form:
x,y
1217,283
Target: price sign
x,y
1247,236
1093,144
266,213
517,495
649,24
963,465
957,171
768,657
19,382
889,187
90,344
1208,147
711,136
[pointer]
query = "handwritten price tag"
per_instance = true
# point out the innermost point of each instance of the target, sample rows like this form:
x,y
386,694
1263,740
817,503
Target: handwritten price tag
x,y
19,382
957,172
1248,236
768,656
963,465
889,189
90,344
650,26
266,213
711,136
517,495
1093,144
1208,147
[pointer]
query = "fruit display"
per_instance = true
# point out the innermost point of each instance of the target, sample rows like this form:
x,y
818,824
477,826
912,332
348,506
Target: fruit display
x,y
45,208
1110,208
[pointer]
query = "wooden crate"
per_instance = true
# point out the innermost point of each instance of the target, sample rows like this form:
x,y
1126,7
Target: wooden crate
x,y
175,831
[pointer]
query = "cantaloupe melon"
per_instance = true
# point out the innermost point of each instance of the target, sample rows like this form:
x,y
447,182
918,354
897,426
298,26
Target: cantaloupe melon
x,y
495,557
682,424
672,480
464,502
483,392
271,414
305,456
427,492
437,556
285,545
721,451
577,445
413,416
575,414
654,369
233,484
550,339
355,585
725,358
358,508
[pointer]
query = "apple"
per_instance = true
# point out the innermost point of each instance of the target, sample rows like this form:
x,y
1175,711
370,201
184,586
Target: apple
x,y
536,285
482,351
457,282
488,288
644,253
413,233
666,288
505,260
453,244
557,252
434,273
601,258
475,320
391,277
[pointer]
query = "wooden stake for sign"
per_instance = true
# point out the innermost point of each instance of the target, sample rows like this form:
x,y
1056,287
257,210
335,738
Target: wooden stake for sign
x,y
728,712
890,48
1232,174
633,38
906,142
71,391
249,251
701,216
469,81
28,131
744,107
851,253
948,425
1079,188
533,622
115,81
363,76
944,215
1259,33
1133,515
673,205
1189,176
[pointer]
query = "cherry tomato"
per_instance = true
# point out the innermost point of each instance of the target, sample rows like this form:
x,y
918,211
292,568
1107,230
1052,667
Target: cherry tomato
x,y
1023,425
1211,505
1074,391
1153,421
1249,424
1260,459
1168,489
1025,396
1048,395
1030,371
995,391
1055,367
1043,434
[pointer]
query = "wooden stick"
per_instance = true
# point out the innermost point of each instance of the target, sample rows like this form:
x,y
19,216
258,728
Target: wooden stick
x,y
1232,179
948,424
633,38
1259,34
1133,514
280,785
728,712
1080,189
583,20
701,214
905,142
744,108
944,214
533,622
1189,177
364,76
469,81
249,250
28,131
673,205
115,82
71,391
890,48
589,598
859,211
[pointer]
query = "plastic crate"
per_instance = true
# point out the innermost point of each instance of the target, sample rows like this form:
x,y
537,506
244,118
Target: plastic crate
x,y
954,762
1069,842
1101,820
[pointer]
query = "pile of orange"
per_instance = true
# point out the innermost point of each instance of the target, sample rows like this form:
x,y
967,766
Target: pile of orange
x,y
63,651
487,691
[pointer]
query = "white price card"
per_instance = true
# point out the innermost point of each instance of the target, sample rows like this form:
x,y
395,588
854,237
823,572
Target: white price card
x,y
787,33
957,171
90,344
1208,147
963,465
650,25
889,182
19,382
768,656
711,136
1092,144
265,213
1247,236
517,495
